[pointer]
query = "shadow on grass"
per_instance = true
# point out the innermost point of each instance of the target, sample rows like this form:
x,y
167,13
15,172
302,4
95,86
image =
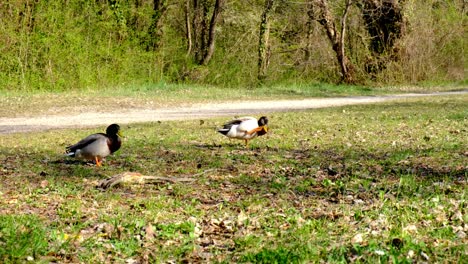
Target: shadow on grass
x,y
33,167
331,174
308,171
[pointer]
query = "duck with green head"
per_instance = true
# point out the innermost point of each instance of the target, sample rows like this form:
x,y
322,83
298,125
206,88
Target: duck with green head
x,y
97,146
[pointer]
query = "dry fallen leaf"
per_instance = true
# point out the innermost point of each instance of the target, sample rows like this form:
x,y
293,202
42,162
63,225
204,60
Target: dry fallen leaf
x,y
149,232
411,229
197,230
461,234
131,261
241,218
44,183
357,239
380,252
424,255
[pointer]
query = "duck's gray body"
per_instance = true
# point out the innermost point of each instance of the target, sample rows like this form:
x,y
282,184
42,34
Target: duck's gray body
x,y
97,146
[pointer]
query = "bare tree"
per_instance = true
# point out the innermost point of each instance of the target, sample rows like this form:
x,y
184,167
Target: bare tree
x,y
264,35
336,36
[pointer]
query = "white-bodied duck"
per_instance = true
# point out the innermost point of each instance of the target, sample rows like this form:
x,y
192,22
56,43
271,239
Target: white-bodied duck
x,y
245,128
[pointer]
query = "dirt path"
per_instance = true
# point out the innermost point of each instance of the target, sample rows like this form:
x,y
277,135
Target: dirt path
x,y
125,116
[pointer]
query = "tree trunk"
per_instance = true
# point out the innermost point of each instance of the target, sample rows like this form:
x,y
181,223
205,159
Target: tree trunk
x,y
199,25
336,38
188,26
155,32
309,32
212,33
204,29
263,45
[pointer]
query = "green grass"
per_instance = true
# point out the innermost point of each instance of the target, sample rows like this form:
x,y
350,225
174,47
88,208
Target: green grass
x,y
368,183
21,236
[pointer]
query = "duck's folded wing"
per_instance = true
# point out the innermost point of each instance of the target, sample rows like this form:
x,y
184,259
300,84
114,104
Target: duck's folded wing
x,y
239,121
229,124
85,142
248,125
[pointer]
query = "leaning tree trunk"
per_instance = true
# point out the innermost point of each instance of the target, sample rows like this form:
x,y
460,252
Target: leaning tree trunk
x,y
263,45
336,37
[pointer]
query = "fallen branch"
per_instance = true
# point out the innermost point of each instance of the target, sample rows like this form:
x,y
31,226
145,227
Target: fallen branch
x,y
136,177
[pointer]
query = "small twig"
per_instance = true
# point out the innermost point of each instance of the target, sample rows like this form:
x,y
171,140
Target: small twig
x,y
202,173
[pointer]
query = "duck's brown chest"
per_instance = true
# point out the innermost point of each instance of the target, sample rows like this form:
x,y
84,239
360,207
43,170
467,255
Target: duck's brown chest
x,y
114,144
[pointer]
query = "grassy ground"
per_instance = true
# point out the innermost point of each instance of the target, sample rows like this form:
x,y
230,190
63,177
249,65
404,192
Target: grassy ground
x,y
371,183
151,96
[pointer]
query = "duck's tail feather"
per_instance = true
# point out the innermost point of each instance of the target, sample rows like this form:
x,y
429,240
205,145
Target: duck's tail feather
x,y
223,131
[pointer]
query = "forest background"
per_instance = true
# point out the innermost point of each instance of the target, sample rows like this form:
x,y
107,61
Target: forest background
x,y
80,44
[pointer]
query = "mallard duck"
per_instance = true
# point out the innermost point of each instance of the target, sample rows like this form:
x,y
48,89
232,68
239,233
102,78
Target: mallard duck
x,y
97,146
245,128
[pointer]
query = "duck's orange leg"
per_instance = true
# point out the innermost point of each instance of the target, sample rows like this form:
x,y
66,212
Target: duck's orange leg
x,y
98,162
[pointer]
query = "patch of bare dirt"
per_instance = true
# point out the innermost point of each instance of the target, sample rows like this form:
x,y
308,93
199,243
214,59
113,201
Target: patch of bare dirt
x,y
87,118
